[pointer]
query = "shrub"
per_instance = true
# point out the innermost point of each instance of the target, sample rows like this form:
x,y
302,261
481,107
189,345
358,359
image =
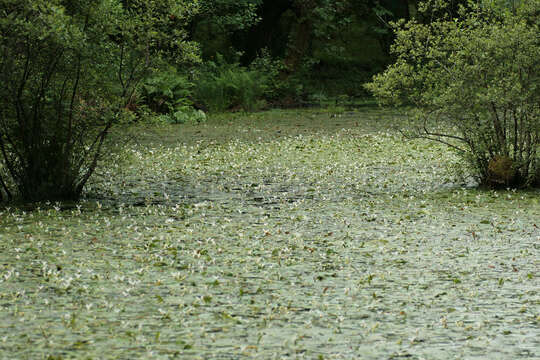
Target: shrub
x,y
474,83
169,94
68,71
221,86
279,90
187,115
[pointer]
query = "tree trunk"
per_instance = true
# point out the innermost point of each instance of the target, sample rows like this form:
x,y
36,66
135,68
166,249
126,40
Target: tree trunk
x,y
301,35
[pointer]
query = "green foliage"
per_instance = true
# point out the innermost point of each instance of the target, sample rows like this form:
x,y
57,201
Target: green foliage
x,y
168,93
221,86
474,84
190,115
278,89
323,45
68,71
331,16
230,15
219,20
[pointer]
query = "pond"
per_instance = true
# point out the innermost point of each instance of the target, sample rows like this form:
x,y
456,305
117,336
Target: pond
x,y
283,234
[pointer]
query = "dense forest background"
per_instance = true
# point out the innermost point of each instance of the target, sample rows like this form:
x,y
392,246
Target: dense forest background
x,y
299,51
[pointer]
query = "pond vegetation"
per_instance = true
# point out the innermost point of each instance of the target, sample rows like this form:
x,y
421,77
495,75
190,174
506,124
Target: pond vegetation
x,y
283,234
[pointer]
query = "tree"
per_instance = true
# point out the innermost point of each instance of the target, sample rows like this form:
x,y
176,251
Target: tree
x,y
217,22
68,69
250,25
474,83
229,16
314,19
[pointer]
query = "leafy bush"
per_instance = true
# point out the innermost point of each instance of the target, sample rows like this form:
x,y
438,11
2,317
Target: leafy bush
x,y
169,94
222,86
68,71
475,86
183,116
167,91
279,90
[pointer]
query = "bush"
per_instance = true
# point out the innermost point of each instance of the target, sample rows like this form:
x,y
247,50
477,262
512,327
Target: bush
x,y
221,86
167,91
168,94
189,115
474,84
69,69
279,90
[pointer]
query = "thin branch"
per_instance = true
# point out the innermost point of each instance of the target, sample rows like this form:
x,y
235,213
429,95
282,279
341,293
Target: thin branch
x,y
97,153
9,163
6,189
22,84
90,148
499,131
428,137
10,141
72,103
120,78
59,101
429,133
74,94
